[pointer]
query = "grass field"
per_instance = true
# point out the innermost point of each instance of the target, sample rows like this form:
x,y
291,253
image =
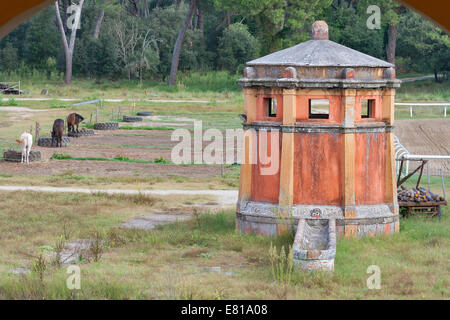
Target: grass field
x,y
169,262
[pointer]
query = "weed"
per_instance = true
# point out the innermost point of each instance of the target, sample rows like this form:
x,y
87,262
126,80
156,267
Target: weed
x,y
96,246
59,247
39,266
161,160
121,158
197,218
282,264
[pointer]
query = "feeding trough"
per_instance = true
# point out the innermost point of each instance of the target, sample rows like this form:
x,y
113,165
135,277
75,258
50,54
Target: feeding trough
x,y
315,244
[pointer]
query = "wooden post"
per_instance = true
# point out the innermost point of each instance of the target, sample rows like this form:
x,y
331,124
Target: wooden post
x,y
90,119
38,129
96,114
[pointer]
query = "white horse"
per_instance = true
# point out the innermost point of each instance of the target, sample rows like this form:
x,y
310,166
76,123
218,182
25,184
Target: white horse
x,y
25,141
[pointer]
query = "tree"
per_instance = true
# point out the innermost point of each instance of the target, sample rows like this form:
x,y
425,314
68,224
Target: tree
x,y
69,47
98,24
391,11
277,23
8,58
236,47
423,46
40,41
179,43
347,26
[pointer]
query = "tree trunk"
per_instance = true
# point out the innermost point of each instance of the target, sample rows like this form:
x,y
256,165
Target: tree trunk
x,y
200,19
179,43
392,42
68,78
68,46
99,24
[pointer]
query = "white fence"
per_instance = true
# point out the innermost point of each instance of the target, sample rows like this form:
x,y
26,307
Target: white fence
x,y
417,104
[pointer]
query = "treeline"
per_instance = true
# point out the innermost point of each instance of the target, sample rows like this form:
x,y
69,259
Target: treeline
x,y
153,39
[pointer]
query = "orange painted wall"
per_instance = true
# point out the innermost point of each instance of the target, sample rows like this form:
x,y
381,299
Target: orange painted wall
x,y
318,169
266,188
370,168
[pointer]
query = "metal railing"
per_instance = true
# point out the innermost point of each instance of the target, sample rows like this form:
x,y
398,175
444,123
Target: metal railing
x,y
417,104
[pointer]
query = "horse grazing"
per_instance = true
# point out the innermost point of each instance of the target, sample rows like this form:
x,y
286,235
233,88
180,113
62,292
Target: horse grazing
x,y
73,119
25,141
58,131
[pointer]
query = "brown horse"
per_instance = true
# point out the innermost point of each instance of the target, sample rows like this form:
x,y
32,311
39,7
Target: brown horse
x,y
73,119
57,133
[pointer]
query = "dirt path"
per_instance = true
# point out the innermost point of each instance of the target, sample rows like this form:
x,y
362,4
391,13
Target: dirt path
x,y
224,197
412,79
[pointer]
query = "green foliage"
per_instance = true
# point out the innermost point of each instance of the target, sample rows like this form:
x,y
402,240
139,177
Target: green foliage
x,y
136,42
282,264
9,57
41,41
347,26
11,102
236,47
423,46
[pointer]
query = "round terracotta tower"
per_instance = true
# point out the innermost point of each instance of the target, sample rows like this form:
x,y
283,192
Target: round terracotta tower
x,y
330,111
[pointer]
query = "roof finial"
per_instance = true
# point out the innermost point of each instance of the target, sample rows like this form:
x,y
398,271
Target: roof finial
x,y
319,31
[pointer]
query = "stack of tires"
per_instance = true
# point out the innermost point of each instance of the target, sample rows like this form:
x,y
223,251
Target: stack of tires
x,y
16,156
50,143
144,114
106,126
131,119
83,132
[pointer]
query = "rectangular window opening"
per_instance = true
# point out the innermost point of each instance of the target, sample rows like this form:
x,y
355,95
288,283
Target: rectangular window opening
x,y
367,106
319,109
271,107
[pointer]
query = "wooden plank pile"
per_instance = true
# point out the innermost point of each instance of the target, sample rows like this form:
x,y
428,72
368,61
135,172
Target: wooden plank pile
x,y
7,89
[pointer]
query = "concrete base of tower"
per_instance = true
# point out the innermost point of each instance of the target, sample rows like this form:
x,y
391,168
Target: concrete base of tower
x,y
266,219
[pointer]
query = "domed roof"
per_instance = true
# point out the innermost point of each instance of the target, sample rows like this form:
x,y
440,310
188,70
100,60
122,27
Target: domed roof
x,y
319,53
319,63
